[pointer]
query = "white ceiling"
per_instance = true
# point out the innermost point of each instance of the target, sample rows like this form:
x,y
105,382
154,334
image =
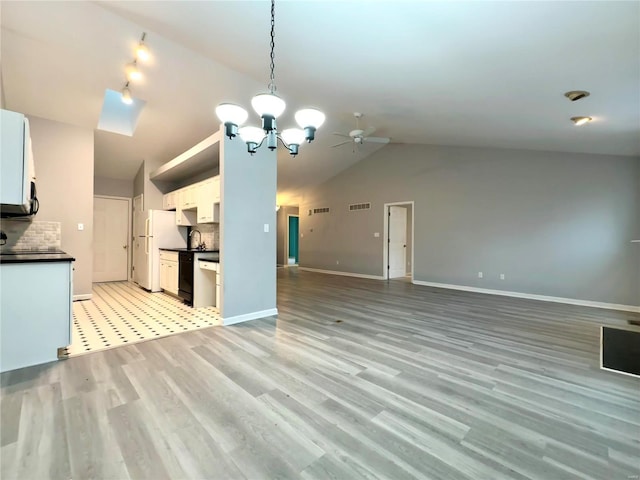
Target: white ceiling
x,y
451,73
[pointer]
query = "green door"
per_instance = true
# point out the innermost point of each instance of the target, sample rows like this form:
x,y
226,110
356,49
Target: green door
x,y
293,238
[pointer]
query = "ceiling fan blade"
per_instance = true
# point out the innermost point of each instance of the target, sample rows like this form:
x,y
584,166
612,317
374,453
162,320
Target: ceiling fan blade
x,y
341,135
368,131
341,143
377,139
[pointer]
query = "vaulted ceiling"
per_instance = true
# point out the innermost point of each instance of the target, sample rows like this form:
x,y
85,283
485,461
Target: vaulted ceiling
x,y
488,74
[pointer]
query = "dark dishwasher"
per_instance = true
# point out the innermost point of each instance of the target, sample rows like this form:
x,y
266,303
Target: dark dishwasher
x,y
185,283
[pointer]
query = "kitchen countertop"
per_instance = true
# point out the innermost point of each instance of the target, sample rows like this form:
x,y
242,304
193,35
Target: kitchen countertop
x,y
29,256
193,250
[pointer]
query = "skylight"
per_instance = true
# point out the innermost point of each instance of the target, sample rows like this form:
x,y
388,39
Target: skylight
x,y
118,117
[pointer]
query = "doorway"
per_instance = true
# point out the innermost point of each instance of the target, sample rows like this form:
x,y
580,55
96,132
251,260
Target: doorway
x,y
293,234
398,253
111,238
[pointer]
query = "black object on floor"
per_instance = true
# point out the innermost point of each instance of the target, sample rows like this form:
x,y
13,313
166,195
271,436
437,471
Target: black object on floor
x,y
621,350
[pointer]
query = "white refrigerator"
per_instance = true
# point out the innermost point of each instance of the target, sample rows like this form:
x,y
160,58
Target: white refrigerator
x,y
154,229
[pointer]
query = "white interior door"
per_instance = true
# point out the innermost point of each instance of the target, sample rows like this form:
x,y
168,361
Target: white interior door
x,y
110,239
397,242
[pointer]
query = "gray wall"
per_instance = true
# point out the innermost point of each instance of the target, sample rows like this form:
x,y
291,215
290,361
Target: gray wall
x,y
112,187
281,216
63,156
555,224
248,200
138,182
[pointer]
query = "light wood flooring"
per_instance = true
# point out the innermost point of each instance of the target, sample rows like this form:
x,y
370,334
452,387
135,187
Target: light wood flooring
x,y
355,379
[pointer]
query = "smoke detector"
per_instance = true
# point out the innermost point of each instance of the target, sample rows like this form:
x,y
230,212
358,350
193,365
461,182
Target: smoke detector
x,y
575,95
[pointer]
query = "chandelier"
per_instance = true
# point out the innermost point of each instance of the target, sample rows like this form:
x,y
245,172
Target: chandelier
x,y
269,106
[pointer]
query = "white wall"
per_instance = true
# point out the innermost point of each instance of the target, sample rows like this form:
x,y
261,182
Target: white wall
x,y
63,156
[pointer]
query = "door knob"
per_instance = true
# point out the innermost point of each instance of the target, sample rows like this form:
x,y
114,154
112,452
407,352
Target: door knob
x,y
124,246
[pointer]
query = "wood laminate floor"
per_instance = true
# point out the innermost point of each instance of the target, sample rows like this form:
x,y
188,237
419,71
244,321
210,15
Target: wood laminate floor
x,y
355,379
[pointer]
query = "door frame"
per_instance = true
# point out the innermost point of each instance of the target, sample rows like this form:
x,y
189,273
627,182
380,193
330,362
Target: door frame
x,y
129,229
286,241
385,236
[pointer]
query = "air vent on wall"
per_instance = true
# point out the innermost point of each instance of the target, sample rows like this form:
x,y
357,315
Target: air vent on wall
x,y
321,210
359,206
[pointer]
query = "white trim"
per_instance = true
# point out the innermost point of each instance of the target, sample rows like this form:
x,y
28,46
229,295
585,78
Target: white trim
x,y
531,296
385,236
344,274
85,296
249,316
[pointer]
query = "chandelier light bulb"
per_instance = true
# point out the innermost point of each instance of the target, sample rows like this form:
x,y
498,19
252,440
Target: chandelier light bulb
x,y
310,117
133,72
252,136
268,104
126,96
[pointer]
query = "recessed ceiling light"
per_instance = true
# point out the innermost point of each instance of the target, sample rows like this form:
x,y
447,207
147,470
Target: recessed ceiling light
x,y
575,95
581,120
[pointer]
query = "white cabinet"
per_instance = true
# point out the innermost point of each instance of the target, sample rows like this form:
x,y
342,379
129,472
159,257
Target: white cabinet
x,y
16,162
169,272
188,197
36,312
170,201
197,203
209,201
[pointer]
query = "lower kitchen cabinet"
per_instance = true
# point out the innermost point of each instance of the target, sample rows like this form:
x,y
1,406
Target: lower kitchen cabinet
x,y
35,312
169,272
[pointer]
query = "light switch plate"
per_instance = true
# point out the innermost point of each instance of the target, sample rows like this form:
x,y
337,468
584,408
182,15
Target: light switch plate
x,y
376,234
266,228
81,226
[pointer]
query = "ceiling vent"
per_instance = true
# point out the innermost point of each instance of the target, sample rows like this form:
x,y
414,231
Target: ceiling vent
x,y
354,207
321,210
575,95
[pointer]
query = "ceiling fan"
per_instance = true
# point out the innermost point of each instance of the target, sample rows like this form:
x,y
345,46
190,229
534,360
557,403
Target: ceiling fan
x,y
359,136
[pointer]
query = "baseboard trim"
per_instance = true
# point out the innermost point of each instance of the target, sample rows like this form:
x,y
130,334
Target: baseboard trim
x,y
249,316
85,296
531,296
344,274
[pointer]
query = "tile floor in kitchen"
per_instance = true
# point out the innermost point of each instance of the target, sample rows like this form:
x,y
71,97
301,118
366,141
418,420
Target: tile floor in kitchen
x,y
121,313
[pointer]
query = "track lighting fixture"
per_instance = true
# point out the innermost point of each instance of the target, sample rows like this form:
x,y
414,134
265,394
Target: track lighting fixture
x,y
142,51
269,106
133,72
126,94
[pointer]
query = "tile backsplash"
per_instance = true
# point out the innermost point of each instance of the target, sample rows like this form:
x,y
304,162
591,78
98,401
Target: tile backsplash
x,y
35,235
210,235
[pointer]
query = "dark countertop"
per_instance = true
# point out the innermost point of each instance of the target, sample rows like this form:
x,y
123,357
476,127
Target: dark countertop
x,y
193,250
212,260
28,256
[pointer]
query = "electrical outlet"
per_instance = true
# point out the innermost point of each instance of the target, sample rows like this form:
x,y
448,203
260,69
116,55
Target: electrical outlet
x,y
81,226
480,275
502,276
376,234
337,262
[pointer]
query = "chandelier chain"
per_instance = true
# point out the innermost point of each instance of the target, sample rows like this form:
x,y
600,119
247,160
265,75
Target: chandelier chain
x,y
272,82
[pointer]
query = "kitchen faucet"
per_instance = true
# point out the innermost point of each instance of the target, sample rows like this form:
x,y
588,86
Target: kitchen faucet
x,y
200,245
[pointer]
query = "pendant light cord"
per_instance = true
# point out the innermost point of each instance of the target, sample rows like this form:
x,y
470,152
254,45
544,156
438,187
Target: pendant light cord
x,y
272,83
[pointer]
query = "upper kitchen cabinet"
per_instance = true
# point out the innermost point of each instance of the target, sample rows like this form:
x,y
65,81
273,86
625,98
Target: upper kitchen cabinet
x,y
203,157
170,200
209,200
